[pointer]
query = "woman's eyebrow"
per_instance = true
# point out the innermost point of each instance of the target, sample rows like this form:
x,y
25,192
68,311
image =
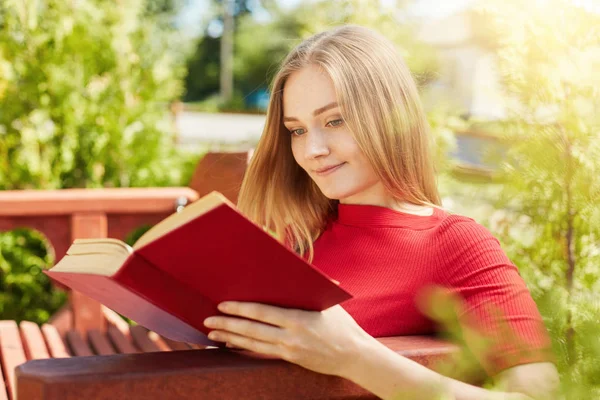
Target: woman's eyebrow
x,y
318,111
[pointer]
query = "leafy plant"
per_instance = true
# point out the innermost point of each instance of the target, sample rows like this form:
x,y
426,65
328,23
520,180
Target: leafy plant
x,y
84,88
83,95
550,194
25,292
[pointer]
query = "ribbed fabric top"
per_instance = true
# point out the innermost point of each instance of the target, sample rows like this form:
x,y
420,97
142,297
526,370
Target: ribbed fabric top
x,y
388,259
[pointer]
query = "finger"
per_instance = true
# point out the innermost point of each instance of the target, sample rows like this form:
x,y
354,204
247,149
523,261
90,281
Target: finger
x,y
282,317
245,327
245,343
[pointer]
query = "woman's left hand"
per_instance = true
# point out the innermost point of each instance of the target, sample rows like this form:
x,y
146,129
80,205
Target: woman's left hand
x,y
328,342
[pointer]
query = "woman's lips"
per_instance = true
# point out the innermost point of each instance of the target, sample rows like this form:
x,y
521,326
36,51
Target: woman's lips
x,y
328,170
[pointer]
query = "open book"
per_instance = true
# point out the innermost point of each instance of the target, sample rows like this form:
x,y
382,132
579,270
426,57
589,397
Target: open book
x,y
181,269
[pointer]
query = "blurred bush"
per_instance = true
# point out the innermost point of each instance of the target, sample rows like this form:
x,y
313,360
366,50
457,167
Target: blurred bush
x,y
84,89
25,292
548,205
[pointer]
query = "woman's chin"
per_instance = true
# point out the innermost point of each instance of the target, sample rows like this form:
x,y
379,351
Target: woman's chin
x,y
336,194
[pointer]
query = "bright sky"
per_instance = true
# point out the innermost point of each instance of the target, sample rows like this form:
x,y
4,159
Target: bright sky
x,y
191,18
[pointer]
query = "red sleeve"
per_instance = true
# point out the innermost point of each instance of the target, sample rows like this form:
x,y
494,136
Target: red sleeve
x,y
496,303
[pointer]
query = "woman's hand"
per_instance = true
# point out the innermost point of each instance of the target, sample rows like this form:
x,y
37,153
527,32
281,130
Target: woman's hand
x,y
328,342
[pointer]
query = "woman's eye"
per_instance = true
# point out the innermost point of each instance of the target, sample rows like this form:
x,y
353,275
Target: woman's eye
x,y
336,122
297,132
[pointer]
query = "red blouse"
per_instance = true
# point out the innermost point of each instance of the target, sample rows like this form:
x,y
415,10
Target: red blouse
x,y
387,259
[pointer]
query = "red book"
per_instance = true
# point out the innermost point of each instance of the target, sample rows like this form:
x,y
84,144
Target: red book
x,y
177,273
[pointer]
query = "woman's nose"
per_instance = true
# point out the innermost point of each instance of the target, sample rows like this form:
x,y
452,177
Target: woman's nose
x,y
316,145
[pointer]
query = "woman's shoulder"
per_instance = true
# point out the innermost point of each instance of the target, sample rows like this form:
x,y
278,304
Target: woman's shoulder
x,y
465,246
460,231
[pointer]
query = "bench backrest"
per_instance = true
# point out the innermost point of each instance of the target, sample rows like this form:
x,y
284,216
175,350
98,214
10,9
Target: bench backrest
x,y
69,214
203,374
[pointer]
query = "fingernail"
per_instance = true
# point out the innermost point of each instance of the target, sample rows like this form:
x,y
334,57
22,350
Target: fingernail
x,y
209,321
213,336
223,306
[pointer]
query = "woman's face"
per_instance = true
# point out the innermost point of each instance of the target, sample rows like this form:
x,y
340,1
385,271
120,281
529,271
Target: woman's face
x,y
322,143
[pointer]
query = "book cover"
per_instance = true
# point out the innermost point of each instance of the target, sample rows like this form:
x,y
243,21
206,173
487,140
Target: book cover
x,y
175,280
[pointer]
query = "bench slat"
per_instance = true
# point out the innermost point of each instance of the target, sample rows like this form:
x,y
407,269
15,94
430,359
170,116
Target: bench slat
x,y
112,318
11,352
195,346
176,346
100,343
121,343
3,388
78,346
55,344
159,341
139,335
33,341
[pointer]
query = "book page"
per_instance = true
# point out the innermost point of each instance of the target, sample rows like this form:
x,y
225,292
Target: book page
x,y
95,264
189,213
101,256
101,245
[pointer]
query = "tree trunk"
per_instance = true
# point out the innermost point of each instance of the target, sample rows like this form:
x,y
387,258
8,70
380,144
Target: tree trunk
x,y
569,245
226,75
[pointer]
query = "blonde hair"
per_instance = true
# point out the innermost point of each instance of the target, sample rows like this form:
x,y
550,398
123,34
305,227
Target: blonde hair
x,y
380,104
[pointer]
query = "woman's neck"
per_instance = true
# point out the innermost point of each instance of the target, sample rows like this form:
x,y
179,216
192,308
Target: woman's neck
x,y
384,200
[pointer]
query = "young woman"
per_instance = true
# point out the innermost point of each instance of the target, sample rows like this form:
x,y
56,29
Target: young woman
x,y
343,174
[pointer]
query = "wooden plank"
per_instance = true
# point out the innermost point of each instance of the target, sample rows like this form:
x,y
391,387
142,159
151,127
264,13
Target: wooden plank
x,y
77,345
33,341
55,344
176,346
62,319
114,319
3,388
210,374
87,312
3,374
223,172
108,200
139,334
100,343
197,346
12,353
120,342
159,341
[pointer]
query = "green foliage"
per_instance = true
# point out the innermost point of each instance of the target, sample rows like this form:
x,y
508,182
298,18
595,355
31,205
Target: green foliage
x,y
203,66
83,94
313,17
261,46
25,292
550,192
84,88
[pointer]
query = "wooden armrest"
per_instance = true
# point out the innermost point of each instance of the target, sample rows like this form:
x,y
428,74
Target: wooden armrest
x,y
110,201
207,374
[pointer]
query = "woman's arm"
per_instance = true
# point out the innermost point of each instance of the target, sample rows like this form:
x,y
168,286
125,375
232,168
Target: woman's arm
x,y
331,342
391,376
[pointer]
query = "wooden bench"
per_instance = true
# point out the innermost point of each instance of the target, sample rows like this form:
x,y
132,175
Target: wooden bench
x,y
213,374
88,351
83,327
69,214
27,341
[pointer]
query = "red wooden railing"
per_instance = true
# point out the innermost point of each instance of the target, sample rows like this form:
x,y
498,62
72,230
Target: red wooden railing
x,y
201,374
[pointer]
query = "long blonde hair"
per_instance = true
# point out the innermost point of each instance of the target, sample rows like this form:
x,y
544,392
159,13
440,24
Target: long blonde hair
x,y
380,104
